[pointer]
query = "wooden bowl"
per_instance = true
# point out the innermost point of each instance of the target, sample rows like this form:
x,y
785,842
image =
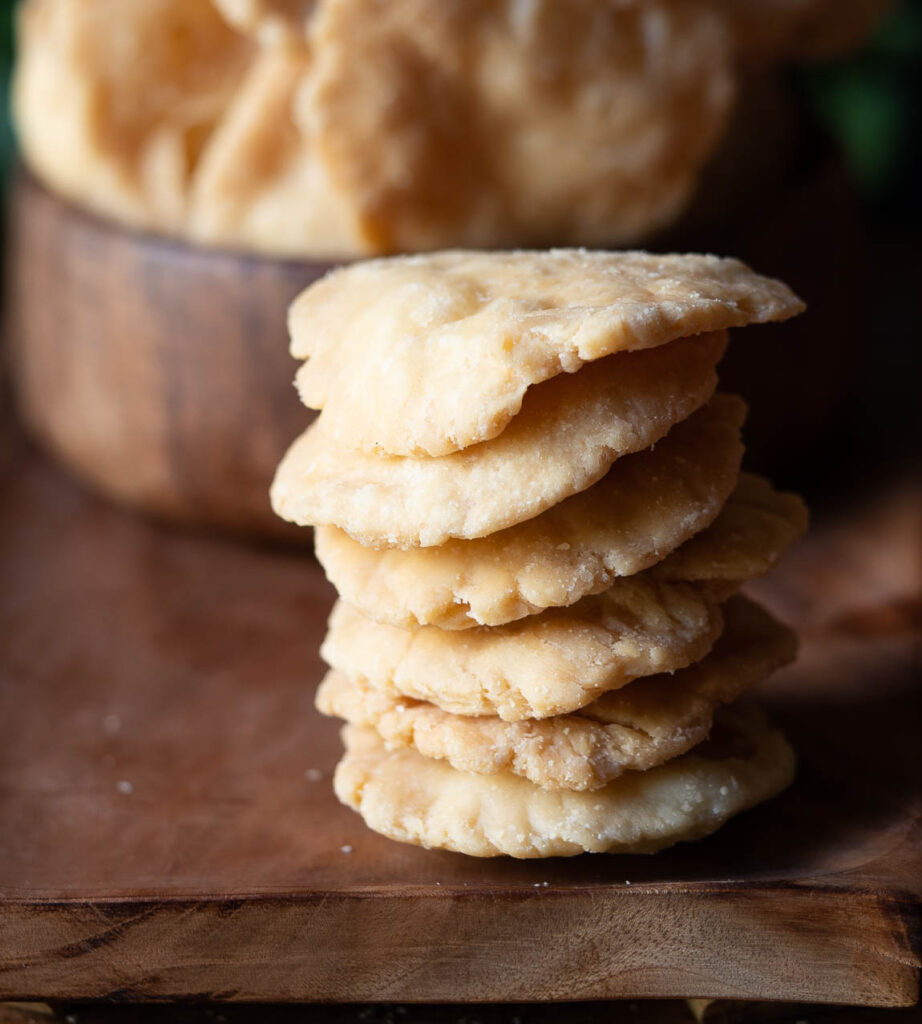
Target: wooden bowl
x,y
158,372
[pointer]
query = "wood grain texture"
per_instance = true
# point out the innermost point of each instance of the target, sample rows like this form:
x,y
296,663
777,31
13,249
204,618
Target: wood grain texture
x,y
156,371
167,826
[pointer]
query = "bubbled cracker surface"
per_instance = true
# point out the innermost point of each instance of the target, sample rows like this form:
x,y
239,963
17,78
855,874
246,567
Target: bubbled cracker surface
x,y
544,665
635,728
754,529
496,122
115,101
431,354
643,508
569,432
422,123
424,801
274,24
259,181
523,104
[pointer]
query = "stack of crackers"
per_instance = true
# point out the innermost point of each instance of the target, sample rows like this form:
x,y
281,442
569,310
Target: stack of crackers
x,y
528,496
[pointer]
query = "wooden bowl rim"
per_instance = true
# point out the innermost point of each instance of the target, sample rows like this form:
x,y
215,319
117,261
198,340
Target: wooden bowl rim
x,y
23,180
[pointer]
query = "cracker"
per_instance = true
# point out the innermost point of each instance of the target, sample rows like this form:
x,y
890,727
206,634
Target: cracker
x,y
635,728
273,23
544,665
259,182
753,530
494,123
643,508
425,355
569,432
115,101
418,800
526,569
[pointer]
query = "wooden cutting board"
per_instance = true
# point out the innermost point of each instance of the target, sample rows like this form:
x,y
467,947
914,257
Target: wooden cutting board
x,y
167,826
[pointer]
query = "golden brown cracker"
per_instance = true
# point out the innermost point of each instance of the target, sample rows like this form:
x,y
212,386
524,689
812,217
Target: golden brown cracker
x,y
755,527
259,182
495,123
418,800
114,101
634,728
275,24
547,664
569,432
641,510
426,355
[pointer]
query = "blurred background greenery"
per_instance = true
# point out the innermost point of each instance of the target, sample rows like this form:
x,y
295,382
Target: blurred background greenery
x,y
870,103
6,61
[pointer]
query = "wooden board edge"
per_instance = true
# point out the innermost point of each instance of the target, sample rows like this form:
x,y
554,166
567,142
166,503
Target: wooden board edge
x,y
785,943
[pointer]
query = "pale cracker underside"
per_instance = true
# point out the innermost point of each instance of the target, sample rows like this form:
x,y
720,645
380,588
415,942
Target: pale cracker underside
x,y
418,800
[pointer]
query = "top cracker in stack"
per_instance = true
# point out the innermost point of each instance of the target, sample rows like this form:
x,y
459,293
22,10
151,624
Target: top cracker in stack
x,y
528,496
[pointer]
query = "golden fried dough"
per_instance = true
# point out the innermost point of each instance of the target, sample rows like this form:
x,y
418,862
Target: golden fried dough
x,y
632,729
643,508
419,800
753,530
547,664
115,99
259,182
274,23
569,432
426,355
495,123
